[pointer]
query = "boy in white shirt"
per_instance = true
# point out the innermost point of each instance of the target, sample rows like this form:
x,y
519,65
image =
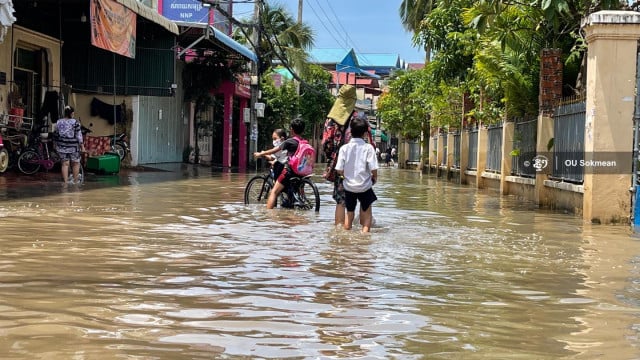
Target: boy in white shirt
x,y
358,164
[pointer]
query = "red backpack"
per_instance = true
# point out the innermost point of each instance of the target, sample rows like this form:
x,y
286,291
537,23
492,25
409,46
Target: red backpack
x,y
304,158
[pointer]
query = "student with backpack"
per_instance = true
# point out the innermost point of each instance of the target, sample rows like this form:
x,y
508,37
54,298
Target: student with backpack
x,y
69,143
292,168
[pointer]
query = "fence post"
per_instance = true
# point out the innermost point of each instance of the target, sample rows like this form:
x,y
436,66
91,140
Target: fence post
x,y
508,130
612,40
432,148
545,135
483,137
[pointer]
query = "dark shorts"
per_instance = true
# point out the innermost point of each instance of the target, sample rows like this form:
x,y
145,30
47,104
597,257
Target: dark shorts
x,y
285,175
74,156
365,198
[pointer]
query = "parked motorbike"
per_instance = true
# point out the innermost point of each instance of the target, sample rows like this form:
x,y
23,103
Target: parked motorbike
x,y
119,143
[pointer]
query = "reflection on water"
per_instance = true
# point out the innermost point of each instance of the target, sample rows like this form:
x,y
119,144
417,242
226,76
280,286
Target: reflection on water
x,y
172,265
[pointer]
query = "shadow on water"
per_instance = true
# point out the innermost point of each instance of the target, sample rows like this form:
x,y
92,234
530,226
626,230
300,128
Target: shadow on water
x,y
172,264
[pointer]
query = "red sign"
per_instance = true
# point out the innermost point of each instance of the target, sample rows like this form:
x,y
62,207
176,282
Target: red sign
x,y
113,27
243,86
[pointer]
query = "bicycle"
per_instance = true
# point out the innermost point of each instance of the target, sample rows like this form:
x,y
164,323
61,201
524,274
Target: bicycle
x,y
39,154
302,193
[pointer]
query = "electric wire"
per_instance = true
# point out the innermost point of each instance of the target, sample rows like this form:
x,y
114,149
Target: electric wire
x,y
348,40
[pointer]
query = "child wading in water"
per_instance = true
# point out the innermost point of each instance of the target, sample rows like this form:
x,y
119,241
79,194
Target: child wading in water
x,y
358,163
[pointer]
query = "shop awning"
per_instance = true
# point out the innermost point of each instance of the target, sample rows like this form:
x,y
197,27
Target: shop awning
x,y
150,14
217,36
234,45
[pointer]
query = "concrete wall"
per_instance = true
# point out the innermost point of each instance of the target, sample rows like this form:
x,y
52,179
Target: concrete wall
x,y
19,37
612,38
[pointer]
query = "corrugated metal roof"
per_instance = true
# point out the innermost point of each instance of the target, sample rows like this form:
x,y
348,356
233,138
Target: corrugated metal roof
x,y
328,55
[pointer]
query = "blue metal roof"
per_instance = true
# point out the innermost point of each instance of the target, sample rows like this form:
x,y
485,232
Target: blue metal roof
x,y
345,60
379,60
328,56
234,45
220,38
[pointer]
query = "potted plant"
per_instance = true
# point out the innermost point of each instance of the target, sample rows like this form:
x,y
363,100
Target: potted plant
x,y
16,107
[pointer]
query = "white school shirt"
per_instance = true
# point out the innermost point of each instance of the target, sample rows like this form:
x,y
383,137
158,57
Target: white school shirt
x,y
357,159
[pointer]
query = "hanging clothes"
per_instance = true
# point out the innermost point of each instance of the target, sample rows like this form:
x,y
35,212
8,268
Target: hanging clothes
x,y
6,17
105,111
50,106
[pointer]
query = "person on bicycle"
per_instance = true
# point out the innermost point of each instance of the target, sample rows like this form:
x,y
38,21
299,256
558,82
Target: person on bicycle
x,y
278,160
69,143
290,145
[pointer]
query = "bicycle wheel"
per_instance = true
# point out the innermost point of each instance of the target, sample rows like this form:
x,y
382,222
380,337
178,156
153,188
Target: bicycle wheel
x,y
307,197
257,190
28,162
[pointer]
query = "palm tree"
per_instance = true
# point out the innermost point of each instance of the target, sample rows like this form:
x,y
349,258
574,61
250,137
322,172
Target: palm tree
x,y
412,13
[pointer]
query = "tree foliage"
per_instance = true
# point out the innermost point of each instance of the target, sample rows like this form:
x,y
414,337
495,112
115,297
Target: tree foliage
x,y
487,51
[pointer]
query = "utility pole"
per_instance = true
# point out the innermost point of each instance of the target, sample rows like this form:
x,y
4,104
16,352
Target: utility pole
x,y
300,11
255,82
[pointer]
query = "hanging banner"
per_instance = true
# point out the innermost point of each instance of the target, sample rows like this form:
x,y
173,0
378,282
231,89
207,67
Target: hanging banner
x,y
113,27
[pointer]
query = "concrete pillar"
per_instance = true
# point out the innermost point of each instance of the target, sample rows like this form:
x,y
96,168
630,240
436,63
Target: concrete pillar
x,y
243,137
612,39
508,131
440,150
450,146
483,139
544,162
433,148
464,155
227,130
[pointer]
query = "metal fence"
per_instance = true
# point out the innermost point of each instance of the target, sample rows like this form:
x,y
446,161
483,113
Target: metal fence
x,y
443,138
524,147
494,149
568,142
414,151
473,150
456,150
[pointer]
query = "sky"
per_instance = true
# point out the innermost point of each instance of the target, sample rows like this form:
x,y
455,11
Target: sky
x,y
367,26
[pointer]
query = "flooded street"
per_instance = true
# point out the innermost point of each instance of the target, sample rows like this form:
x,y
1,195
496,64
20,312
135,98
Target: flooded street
x,y
173,265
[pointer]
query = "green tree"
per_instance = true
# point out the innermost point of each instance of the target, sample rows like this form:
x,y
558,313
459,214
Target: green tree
x,y
282,106
403,109
315,99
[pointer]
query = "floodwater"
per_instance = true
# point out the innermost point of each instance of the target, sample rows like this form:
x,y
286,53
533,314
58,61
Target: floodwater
x,y
173,265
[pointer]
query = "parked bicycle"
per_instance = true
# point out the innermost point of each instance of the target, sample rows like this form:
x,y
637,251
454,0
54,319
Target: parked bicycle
x,y
41,154
302,193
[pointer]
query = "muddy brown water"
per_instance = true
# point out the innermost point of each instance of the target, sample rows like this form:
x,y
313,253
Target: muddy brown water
x,y
173,265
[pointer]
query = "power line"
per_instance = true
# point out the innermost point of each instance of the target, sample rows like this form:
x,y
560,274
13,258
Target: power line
x,y
338,41
348,40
